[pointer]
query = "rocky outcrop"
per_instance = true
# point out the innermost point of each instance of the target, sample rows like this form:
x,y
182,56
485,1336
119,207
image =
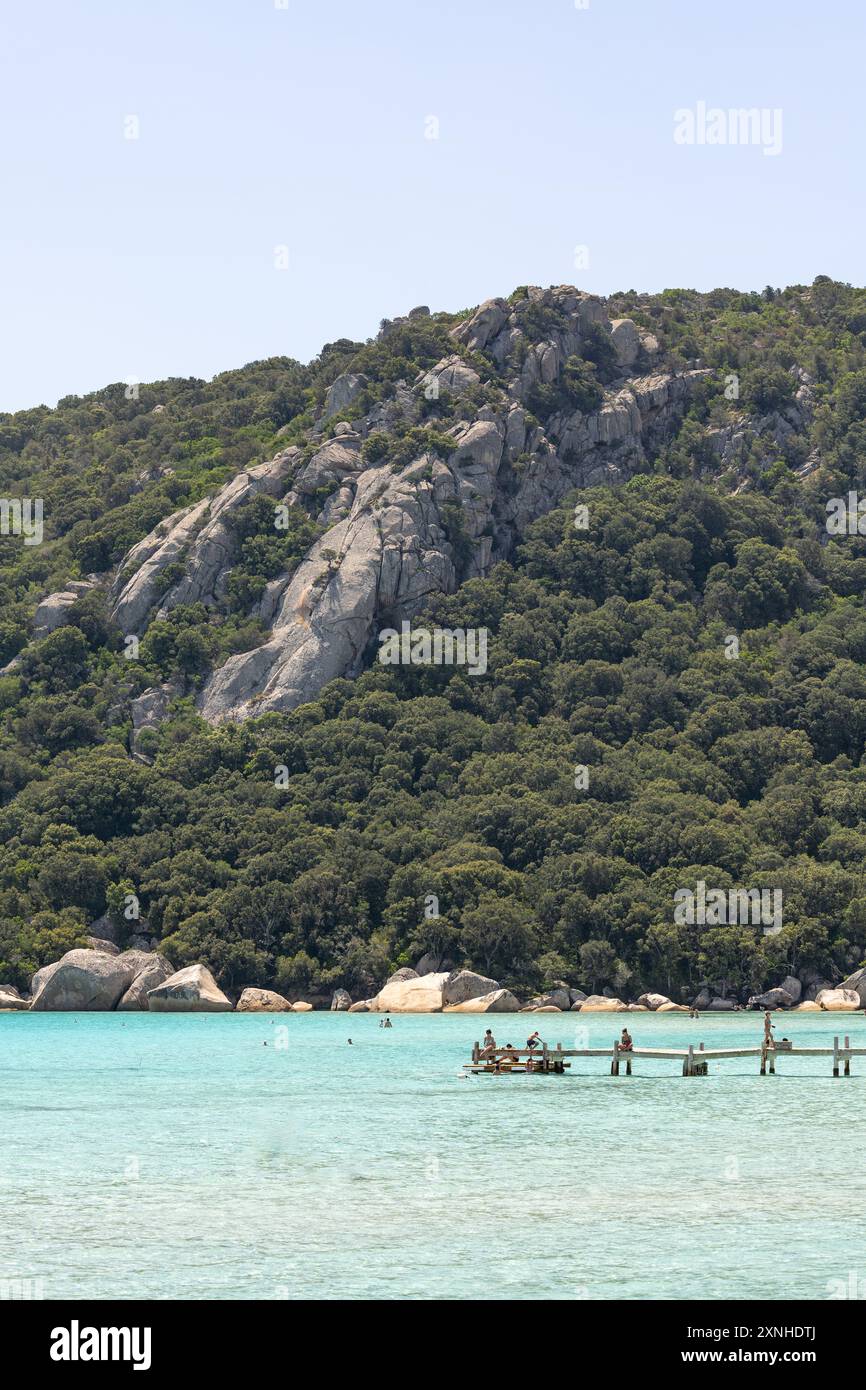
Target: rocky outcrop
x,y
53,611
151,970
857,984
342,392
11,999
719,1006
262,1001
653,1001
772,999
389,543
150,709
341,1000
425,994
839,1000
498,1001
432,962
191,990
302,1007
100,943
600,1004
83,980
465,985
201,538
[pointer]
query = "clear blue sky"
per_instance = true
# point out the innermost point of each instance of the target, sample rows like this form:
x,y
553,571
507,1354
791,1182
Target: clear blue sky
x,y
305,127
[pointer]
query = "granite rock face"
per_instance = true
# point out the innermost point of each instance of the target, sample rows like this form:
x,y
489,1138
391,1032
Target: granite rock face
x,y
260,1001
465,985
388,539
83,980
53,610
498,1001
839,1000
192,990
152,970
422,995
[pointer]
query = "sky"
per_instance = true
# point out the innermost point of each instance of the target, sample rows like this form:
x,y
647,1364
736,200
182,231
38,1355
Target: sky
x,y
190,185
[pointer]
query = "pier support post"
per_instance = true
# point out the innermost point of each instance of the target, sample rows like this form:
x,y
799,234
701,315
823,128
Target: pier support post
x,y
764,1060
847,1057
772,1056
476,1050
835,1056
614,1066
689,1063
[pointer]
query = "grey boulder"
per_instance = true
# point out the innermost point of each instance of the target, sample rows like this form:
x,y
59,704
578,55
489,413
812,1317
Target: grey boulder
x,y
83,980
192,990
151,970
465,984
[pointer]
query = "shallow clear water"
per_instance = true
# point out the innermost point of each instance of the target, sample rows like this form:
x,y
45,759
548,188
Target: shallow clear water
x,y
177,1157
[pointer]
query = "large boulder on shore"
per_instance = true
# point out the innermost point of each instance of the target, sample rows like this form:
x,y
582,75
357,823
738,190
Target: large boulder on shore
x,y
11,999
83,979
557,998
151,969
720,1006
425,994
498,1001
363,1006
191,990
857,983
703,999
839,1000
791,985
808,1006
777,998
262,1001
669,1007
653,1001
341,1000
463,985
600,1004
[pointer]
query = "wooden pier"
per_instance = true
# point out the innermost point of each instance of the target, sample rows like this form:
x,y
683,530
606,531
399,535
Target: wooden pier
x,y
695,1061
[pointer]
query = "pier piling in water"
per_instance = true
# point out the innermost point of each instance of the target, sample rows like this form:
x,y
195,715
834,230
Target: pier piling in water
x,y
695,1062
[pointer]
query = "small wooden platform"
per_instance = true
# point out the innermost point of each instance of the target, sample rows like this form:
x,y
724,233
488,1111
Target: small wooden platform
x,y
695,1060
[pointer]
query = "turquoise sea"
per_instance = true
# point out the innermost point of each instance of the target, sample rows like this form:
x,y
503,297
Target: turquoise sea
x,y
175,1156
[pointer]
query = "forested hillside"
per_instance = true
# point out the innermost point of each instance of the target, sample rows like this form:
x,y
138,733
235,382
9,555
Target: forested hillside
x,y
609,649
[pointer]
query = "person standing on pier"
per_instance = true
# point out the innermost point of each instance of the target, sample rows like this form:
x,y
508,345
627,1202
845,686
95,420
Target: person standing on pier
x,y
768,1030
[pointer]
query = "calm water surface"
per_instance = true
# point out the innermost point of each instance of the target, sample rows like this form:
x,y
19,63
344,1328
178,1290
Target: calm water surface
x,y
178,1157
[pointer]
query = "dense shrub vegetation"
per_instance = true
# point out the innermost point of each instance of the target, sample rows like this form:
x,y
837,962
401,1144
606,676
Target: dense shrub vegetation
x,y
609,649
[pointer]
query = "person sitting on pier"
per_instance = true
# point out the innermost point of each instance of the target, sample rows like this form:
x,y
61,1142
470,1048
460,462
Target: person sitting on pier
x,y
509,1056
488,1045
625,1042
